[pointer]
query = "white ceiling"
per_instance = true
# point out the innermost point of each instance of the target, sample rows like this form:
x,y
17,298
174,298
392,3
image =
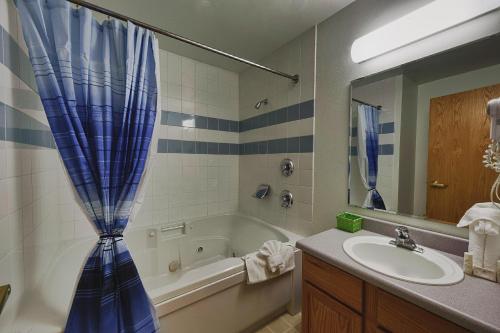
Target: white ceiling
x,y
251,29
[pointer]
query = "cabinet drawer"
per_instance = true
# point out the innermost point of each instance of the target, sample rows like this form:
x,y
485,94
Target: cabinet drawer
x,y
344,287
397,315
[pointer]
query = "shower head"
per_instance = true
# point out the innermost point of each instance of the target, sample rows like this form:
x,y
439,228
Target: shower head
x,y
259,103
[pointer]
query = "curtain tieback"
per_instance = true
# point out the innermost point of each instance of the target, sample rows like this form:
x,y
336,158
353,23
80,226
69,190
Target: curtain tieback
x,y
108,236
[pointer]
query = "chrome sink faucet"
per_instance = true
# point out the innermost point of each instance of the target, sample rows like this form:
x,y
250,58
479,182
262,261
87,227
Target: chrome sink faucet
x,y
404,240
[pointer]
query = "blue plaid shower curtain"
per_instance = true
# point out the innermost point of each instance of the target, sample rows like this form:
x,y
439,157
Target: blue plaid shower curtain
x,y
98,85
368,154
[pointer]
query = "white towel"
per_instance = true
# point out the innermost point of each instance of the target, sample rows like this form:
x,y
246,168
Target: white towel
x,y
483,220
493,110
273,259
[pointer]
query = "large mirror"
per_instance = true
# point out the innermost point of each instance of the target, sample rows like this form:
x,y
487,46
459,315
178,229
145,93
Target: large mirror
x,y
418,134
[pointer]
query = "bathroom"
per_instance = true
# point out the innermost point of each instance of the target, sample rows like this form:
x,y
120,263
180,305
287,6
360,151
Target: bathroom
x,y
252,116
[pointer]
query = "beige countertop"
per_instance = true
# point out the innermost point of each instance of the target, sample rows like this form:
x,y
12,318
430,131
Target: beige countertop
x,y
473,303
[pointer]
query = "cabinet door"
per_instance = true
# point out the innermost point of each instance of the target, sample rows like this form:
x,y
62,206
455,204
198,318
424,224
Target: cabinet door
x,y
323,314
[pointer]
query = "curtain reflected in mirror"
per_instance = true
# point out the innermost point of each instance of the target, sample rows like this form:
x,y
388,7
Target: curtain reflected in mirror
x,y
367,151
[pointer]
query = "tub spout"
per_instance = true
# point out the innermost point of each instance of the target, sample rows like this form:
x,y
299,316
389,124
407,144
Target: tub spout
x,y
263,190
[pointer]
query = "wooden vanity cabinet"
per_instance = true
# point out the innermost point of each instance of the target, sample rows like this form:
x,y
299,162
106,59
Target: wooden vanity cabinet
x,y
334,301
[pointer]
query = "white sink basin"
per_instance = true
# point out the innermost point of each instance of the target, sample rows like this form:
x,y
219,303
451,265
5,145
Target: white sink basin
x,y
429,267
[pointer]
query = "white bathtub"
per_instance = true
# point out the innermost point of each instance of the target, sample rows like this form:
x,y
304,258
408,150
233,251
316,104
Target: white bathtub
x,y
207,293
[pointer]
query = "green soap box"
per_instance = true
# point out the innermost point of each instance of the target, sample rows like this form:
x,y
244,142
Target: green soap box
x,y
349,222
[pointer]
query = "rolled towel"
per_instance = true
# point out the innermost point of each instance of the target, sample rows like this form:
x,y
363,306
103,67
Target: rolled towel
x,y
275,263
272,251
273,259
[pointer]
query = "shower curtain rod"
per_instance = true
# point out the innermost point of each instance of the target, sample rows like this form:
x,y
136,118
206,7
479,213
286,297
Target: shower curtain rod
x,y
294,78
361,102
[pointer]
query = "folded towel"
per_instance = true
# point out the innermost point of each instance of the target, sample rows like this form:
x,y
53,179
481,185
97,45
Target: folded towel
x,y
493,110
483,220
273,259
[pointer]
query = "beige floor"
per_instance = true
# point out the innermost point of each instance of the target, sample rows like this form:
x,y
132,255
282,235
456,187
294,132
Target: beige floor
x,y
283,324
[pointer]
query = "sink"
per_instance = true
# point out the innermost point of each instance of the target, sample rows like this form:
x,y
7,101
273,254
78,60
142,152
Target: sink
x,y
429,267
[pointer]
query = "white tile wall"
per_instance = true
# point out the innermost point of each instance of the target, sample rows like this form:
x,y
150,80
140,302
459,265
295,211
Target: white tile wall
x,y
184,186
29,223
298,56
189,86
264,169
38,210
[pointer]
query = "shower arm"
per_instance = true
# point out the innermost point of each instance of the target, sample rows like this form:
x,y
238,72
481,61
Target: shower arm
x,y
102,10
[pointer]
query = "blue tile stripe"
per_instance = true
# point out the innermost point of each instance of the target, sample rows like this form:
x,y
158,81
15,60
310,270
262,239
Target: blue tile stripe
x,y
16,126
302,144
384,128
385,149
172,118
290,113
15,59
197,147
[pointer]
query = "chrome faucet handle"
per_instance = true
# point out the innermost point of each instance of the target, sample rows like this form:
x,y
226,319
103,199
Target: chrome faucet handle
x,y
286,198
404,240
402,232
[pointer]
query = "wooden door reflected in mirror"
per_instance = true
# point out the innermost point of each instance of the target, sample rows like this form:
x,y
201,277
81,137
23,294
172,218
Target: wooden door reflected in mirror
x,y
459,132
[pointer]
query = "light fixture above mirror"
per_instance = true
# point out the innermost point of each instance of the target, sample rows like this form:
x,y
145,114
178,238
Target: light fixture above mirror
x,y
428,20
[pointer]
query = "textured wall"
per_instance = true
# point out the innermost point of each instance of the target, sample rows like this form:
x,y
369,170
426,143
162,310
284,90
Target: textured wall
x,y
335,71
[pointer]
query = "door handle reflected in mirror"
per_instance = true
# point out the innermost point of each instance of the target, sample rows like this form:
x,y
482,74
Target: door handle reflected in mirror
x,y
4,295
436,184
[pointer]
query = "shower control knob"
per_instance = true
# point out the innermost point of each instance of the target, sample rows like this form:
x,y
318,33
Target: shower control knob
x,y
287,167
286,199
